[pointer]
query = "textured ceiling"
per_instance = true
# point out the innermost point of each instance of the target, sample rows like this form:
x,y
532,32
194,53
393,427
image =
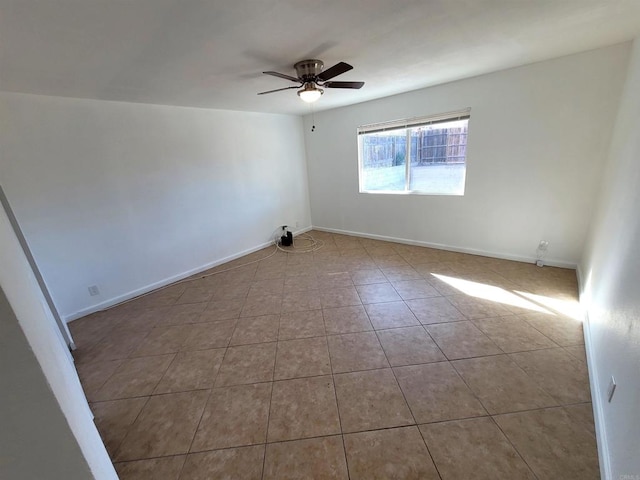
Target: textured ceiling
x,y
211,54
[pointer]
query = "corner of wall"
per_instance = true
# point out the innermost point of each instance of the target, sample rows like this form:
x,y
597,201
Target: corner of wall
x,y
594,384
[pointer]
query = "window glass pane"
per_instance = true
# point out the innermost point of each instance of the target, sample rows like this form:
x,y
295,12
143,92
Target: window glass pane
x,y
422,159
382,160
438,154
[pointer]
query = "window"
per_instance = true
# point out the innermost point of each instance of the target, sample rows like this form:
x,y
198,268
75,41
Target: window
x,y
421,155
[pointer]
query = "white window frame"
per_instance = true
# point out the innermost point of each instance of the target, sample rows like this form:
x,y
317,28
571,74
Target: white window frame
x,y
406,124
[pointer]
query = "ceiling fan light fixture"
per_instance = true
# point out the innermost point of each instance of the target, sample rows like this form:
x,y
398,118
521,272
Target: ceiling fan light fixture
x,y
310,93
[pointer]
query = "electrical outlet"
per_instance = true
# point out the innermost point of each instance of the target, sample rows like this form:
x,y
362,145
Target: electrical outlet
x,y
611,389
543,245
93,290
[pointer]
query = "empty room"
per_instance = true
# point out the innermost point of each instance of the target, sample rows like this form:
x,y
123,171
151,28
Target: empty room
x,y
319,240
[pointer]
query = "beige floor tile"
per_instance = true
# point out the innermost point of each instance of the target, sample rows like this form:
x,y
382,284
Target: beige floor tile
x,y
562,375
90,330
167,468
346,320
356,351
462,340
301,325
513,334
257,305
271,286
368,276
182,314
577,351
429,390
414,289
370,400
94,375
165,426
305,357
378,248
318,458
438,280
135,377
389,261
473,448
474,307
297,301
256,330
564,331
552,444
119,344
163,297
268,272
114,418
195,294
141,319
191,371
501,385
234,416
162,340
220,310
434,310
247,364
303,408
339,297
301,283
299,265
377,293
335,279
230,291
582,414
384,454
400,273
204,336
390,315
230,464
409,346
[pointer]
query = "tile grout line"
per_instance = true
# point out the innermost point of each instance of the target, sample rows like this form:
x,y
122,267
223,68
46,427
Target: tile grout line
x,y
415,422
514,446
273,374
335,396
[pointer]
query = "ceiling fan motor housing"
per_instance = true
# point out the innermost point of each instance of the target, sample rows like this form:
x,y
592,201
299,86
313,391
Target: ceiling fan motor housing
x,y
308,70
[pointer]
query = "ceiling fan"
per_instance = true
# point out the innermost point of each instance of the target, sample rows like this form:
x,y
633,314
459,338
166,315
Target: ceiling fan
x,y
311,77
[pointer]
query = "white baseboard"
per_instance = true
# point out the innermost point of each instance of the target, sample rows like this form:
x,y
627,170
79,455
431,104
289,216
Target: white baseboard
x,y
167,281
594,384
439,246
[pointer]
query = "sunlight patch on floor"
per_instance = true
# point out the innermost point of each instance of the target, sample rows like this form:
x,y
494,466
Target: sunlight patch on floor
x,y
492,293
568,308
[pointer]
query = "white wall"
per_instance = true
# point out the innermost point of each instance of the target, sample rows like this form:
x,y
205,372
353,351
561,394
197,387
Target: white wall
x,y
46,427
537,137
128,197
610,276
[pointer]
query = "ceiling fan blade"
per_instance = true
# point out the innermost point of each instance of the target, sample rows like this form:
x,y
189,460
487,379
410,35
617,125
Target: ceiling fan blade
x,y
343,84
282,75
337,69
279,89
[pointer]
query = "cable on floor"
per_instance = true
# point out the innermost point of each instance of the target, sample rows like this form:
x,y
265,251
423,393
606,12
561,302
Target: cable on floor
x,y
311,245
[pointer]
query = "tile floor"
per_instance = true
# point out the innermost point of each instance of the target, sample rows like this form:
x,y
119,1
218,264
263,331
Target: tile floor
x,y
363,360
